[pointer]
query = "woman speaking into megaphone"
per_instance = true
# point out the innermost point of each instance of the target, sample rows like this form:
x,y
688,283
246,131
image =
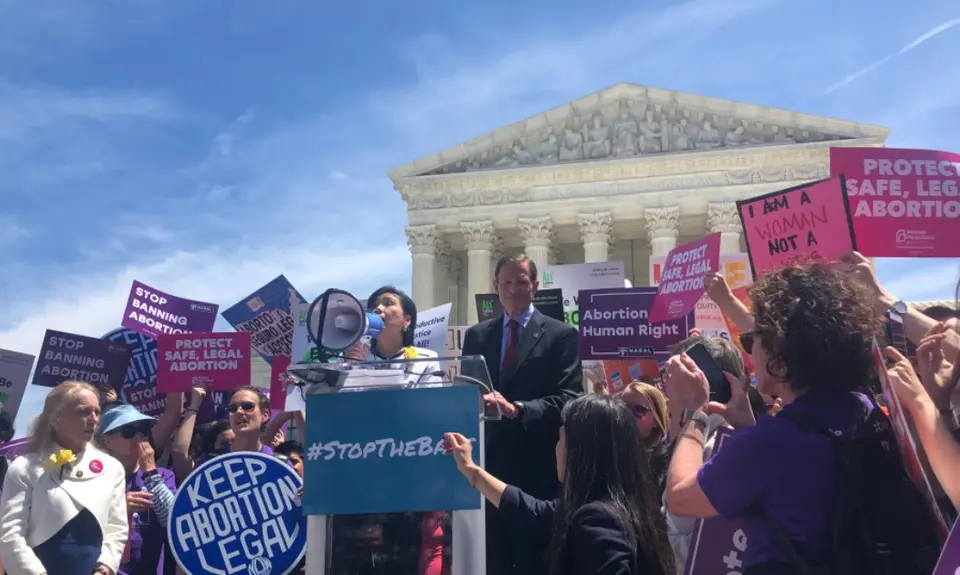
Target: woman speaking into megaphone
x,y
395,340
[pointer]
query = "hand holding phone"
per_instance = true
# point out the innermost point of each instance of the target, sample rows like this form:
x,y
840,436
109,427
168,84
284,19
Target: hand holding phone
x,y
719,386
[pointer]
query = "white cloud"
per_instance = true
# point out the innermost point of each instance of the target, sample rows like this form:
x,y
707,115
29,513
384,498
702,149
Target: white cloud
x,y
919,280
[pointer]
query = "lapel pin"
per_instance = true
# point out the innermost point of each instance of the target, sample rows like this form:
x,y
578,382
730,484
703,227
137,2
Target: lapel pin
x,y
79,474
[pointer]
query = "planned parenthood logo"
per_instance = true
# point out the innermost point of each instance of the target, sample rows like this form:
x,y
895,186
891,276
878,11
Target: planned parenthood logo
x,y
239,513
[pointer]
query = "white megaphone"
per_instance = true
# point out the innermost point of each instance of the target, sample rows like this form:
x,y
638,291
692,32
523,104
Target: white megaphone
x,y
336,321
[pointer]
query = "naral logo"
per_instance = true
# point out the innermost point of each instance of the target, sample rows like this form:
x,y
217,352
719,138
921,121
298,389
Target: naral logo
x,y
260,566
202,307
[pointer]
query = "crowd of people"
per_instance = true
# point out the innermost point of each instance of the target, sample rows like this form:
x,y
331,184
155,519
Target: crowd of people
x,y
578,484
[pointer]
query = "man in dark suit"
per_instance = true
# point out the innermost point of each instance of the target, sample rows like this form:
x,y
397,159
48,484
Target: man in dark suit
x,y
534,366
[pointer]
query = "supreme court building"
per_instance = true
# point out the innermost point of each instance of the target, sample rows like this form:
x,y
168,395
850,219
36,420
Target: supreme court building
x,y
621,174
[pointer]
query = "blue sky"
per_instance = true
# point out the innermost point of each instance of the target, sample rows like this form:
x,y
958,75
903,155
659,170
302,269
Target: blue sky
x,y
205,147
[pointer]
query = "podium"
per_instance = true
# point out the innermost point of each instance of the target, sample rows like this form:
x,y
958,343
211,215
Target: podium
x,y
374,433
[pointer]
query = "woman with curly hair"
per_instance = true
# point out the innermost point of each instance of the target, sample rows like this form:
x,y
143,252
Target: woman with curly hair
x,y
812,347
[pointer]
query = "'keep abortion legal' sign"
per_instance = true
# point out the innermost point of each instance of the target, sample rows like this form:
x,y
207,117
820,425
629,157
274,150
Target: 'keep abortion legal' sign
x,y
68,356
239,513
153,312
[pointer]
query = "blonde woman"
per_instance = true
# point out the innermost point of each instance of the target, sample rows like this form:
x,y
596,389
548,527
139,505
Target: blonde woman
x,y
63,510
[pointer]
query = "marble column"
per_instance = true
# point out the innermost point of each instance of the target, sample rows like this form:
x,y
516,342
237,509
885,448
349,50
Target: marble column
x,y
596,233
556,255
453,289
662,229
480,239
441,291
723,217
423,241
537,234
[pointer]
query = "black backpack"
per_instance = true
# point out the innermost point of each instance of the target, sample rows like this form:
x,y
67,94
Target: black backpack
x,y
882,523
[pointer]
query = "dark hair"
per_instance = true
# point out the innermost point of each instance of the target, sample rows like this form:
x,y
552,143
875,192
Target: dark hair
x,y
605,461
409,308
519,259
208,437
722,351
6,427
263,402
941,312
288,447
816,327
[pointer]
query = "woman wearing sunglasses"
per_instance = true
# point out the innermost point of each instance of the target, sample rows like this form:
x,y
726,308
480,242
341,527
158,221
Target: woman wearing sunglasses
x,y
125,434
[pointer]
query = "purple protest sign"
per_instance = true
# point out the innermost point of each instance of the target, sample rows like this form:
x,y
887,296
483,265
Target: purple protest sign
x,y
14,448
66,356
718,545
151,312
949,563
214,407
614,323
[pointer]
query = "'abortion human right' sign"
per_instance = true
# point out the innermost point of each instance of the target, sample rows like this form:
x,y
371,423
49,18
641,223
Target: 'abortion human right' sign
x,y
238,510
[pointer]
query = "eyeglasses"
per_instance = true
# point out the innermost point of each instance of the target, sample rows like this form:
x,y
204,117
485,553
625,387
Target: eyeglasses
x,y
746,341
246,406
639,410
130,431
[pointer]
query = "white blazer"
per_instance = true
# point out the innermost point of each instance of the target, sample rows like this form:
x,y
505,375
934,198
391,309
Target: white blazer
x,y
36,504
420,373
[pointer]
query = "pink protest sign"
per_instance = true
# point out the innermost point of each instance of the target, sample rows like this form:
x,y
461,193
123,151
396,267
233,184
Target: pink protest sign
x,y
905,203
681,282
220,361
811,221
151,312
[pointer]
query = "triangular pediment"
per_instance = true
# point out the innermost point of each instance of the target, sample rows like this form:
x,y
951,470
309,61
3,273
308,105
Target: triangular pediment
x,y
628,121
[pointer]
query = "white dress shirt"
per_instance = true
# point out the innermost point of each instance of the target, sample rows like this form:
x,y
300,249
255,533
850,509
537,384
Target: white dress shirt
x,y
419,373
38,500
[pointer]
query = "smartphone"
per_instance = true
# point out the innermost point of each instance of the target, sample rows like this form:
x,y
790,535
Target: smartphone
x,y
896,337
719,386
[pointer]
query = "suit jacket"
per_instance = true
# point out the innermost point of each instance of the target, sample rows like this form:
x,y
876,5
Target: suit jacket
x,y
597,542
37,503
544,373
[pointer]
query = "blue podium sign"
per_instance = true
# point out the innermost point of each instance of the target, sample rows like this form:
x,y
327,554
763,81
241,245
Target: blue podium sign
x,y
381,451
239,513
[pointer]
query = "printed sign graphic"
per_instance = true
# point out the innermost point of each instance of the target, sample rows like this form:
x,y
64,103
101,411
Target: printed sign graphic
x,y
809,221
431,329
681,284
15,448
153,312
239,513
615,324
14,373
571,278
266,314
549,302
393,462
219,361
140,385
68,356
949,563
905,203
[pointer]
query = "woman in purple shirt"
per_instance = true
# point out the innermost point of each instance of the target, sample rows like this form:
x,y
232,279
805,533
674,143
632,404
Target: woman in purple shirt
x,y
812,347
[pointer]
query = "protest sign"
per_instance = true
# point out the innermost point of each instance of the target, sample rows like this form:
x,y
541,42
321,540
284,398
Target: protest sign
x,y
140,385
549,302
431,329
742,293
735,268
152,312
68,356
14,373
14,448
236,512
278,382
614,324
615,374
808,221
570,279
904,202
218,361
681,283
717,545
949,563
393,462
266,314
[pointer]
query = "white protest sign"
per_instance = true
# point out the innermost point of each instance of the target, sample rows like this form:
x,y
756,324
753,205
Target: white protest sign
x,y
14,373
431,330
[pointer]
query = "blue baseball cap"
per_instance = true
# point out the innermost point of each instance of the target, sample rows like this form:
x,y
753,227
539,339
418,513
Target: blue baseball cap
x,y
121,415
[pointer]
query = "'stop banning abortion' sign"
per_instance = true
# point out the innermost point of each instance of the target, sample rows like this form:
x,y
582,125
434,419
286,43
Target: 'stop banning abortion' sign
x,y
239,513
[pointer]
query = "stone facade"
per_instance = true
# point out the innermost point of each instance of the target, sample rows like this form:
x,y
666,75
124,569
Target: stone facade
x,y
621,174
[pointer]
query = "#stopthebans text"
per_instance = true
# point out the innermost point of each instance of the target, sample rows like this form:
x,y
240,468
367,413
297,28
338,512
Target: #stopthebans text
x,y
233,510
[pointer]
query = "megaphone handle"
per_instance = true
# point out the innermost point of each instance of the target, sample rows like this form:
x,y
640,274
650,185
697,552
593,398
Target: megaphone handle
x,y
323,319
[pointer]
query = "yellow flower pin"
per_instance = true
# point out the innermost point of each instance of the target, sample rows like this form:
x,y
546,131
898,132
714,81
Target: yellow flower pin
x,y
410,353
62,457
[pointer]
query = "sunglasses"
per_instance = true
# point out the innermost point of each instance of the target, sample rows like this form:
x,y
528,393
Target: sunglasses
x,y
246,406
131,431
746,341
639,410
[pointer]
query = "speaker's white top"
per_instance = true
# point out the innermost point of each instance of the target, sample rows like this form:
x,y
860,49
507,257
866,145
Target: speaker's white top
x,y
418,372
